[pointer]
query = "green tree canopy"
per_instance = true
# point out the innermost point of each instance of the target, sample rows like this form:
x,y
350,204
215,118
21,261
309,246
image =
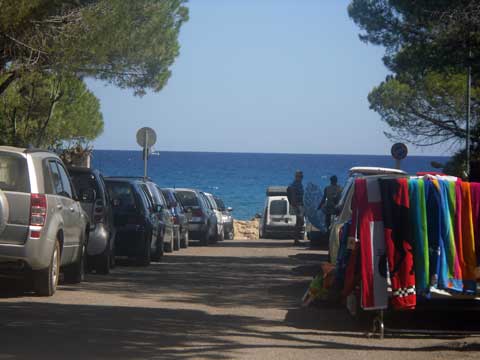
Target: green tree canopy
x,y
130,44
425,110
46,110
423,34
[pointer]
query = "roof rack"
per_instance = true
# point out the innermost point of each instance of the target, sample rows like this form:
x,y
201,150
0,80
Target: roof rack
x,y
277,191
130,177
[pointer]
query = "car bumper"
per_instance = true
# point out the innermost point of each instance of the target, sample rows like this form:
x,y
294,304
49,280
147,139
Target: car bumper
x,y
98,240
34,253
197,227
281,229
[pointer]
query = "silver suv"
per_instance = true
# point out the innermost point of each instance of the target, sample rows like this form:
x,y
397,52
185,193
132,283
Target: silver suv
x,y
44,226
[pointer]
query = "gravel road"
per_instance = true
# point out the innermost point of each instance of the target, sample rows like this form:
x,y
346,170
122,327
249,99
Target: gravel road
x,y
234,300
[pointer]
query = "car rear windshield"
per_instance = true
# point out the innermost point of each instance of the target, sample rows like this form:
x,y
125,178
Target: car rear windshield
x,y
278,207
187,198
122,193
83,181
13,173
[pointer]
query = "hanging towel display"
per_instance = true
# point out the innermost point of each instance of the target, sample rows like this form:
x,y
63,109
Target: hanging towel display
x,y
396,217
372,244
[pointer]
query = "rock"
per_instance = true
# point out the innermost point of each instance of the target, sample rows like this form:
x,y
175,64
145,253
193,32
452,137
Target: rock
x,y
246,230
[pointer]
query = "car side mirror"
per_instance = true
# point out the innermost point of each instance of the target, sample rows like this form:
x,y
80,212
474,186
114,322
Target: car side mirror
x,y
88,195
229,209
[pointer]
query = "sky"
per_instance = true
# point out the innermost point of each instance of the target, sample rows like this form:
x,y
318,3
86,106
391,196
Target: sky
x,y
269,76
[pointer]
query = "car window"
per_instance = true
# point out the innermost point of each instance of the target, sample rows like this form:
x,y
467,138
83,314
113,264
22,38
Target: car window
x,y
205,201
220,204
123,193
187,198
345,192
83,181
56,178
213,204
147,196
67,186
278,207
13,173
155,195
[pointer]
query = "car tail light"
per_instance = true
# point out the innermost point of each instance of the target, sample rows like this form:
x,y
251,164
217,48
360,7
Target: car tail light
x,y
38,209
197,213
98,212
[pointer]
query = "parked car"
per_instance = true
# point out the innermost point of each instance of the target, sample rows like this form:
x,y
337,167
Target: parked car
x,y
213,206
203,221
228,228
137,224
45,228
278,219
344,207
168,228
180,215
94,199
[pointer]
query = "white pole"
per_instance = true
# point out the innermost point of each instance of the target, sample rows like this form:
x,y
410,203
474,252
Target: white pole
x,y
145,154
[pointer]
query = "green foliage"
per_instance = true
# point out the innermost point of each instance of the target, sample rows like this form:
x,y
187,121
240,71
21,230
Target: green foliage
x,y
131,44
421,35
427,110
46,110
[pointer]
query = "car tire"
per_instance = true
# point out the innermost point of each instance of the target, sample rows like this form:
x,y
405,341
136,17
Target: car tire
x,y
4,211
158,253
230,235
144,258
177,240
205,239
45,281
102,263
75,273
170,246
184,242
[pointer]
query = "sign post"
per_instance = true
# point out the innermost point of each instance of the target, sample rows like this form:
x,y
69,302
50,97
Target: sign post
x,y
399,152
146,138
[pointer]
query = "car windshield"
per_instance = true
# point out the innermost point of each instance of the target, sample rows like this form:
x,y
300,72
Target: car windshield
x,y
187,198
278,207
122,192
83,181
13,173
220,204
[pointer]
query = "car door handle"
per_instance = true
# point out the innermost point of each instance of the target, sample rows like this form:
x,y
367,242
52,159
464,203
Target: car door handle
x,y
59,207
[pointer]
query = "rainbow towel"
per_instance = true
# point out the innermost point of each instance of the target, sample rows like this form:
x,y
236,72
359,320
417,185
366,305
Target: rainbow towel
x,y
475,198
468,241
418,215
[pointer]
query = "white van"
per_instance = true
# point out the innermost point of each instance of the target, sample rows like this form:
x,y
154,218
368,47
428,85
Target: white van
x,y
278,218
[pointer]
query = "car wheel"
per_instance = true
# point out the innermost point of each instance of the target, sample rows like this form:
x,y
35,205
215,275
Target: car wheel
x,y
144,258
205,238
177,240
45,281
158,253
102,263
170,245
75,273
185,240
221,236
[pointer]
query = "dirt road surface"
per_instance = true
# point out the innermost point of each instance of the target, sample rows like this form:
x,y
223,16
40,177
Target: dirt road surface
x,y
234,300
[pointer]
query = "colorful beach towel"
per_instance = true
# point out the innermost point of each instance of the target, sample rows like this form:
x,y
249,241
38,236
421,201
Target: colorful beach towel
x,y
370,232
418,213
468,241
396,218
475,200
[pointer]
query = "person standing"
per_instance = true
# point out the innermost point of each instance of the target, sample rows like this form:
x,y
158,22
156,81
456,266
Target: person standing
x,y
295,197
331,197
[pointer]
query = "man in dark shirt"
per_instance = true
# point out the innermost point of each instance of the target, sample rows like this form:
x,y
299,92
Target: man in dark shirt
x,y
330,199
296,201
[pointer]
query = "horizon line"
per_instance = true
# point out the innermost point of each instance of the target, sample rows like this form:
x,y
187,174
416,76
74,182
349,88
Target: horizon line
x,y
265,153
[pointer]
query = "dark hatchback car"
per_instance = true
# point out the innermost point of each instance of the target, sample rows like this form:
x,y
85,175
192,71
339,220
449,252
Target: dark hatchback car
x,y
137,225
180,215
94,199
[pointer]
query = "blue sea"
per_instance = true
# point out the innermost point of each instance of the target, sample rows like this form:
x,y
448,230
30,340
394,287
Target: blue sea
x,y
242,178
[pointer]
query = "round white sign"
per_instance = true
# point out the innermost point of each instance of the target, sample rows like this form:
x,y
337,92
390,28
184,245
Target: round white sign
x,y
146,137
